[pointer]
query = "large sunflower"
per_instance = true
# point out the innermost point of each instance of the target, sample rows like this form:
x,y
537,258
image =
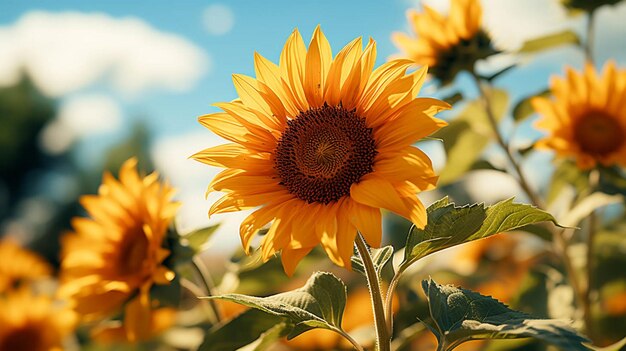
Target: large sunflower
x,y
586,118
33,323
322,144
18,264
117,253
446,45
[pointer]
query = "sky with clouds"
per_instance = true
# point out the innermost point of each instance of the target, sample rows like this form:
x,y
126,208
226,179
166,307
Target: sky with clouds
x,y
109,63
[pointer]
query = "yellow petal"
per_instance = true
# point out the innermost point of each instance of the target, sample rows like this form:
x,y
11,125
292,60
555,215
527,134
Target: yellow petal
x,y
292,65
318,60
368,221
291,257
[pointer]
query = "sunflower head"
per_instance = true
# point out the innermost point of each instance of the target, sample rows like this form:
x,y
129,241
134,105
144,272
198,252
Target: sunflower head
x,y
117,253
585,118
33,323
447,45
18,265
319,145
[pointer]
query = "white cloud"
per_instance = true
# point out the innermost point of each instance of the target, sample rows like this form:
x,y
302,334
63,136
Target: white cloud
x,y
511,22
191,179
490,186
80,116
90,114
65,52
218,19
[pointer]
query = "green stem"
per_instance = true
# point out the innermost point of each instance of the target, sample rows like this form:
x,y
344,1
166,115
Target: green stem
x,y
504,145
594,179
589,39
383,338
393,284
350,339
207,281
560,242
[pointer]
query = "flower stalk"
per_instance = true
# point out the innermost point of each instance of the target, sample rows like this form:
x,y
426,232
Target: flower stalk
x,y
383,339
560,241
208,284
589,38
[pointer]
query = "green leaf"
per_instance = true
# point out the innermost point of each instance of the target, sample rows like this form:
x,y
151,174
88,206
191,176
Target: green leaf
x,y
549,41
567,174
198,238
461,315
463,147
586,206
449,225
318,304
453,98
467,135
380,257
240,331
269,338
537,230
506,215
524,108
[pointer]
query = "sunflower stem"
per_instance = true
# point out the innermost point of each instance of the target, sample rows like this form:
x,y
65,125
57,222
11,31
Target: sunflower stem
x,y
393,284
594,179
383,338
207,281
589,38
350,339
560,242
504,144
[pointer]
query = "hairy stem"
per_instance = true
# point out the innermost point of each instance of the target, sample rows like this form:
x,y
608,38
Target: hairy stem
x,y
382,333
393,284
208,284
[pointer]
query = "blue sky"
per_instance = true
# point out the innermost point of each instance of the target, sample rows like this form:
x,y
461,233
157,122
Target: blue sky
x,y
259,26
109,63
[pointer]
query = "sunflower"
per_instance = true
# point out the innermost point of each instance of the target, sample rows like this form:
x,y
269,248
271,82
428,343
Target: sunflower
x,y
447,45
586,119
117,253
321,145
33,323
18,264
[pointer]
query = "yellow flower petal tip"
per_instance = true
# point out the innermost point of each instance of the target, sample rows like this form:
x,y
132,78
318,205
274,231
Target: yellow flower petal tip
x,y
319,145
585,119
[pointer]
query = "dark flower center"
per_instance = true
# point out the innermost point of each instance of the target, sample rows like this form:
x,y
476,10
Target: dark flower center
x,y
598,133
133,252
462,56
322,152
27,338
